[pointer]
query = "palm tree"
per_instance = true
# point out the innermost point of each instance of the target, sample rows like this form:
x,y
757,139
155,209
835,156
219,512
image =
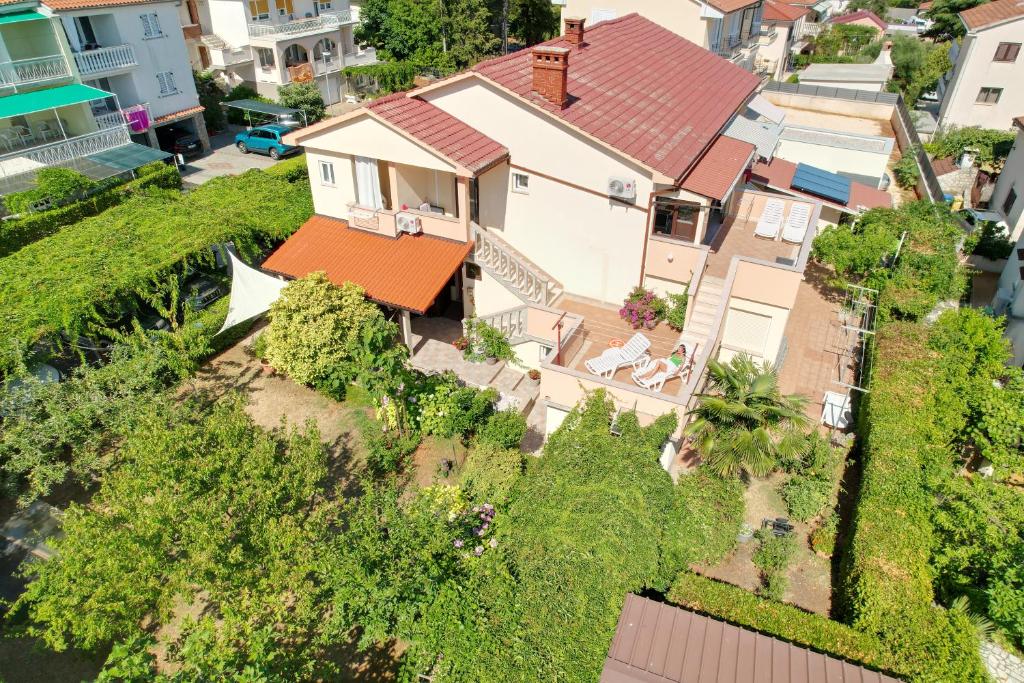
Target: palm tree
x,y
745,424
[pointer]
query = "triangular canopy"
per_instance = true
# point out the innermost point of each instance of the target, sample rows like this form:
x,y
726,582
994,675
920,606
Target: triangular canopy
x,y
252,293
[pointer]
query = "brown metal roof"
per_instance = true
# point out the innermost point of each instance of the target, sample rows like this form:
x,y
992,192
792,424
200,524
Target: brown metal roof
x,y
659,643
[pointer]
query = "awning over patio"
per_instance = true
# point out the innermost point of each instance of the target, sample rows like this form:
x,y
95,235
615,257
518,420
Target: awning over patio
x,y
407,273
18,17
51,98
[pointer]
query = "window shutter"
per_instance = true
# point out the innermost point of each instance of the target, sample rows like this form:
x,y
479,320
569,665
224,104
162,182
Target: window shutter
x,y
154,20
147,29
747,331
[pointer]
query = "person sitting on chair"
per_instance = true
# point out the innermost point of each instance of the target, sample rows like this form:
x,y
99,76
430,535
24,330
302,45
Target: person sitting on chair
x,y
677,359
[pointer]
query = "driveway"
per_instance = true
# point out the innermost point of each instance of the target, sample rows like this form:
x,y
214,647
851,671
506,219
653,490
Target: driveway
x,y
223,159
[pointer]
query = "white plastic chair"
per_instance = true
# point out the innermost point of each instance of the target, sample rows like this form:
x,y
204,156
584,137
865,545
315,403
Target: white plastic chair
x,y
633,352
770,222
656,382
796,224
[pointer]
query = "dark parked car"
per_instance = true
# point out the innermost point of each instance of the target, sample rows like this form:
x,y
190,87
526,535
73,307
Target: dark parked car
x,y
202,292
181,141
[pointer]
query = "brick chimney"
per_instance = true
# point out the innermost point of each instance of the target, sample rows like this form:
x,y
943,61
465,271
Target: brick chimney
x,y
550,71
574,30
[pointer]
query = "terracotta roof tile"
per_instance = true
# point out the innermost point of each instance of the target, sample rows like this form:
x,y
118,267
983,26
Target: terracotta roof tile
x,y
780,11
439,130
59,5
731,5
408,272
717,171
990,13
856,16
944,166
779,175
173,116
639,88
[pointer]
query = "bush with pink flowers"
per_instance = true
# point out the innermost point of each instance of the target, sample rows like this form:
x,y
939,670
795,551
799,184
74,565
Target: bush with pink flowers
x,y
643,308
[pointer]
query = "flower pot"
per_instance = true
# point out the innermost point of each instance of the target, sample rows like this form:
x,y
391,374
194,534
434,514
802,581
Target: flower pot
x,y
491,360
266,367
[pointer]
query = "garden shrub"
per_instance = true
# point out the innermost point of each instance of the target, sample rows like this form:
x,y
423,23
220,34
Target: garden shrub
x,y
823,538
906,170
993,146
55,185
706,516
490,471
18,232
389,76
741,607
486,341
386,450
505,428
643,308
452,410
305,97
772,557
990,242
805,496
292,169
676,315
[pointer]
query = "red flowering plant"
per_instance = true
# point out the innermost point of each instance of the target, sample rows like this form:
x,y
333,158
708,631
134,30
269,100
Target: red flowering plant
x,y
643,308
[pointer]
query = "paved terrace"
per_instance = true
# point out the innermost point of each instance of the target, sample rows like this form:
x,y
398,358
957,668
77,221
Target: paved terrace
x,y
735,236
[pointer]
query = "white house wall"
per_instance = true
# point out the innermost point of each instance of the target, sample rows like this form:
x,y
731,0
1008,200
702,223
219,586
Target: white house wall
x,y
1012,177
331,200
229,21
834,159
589,243
976,69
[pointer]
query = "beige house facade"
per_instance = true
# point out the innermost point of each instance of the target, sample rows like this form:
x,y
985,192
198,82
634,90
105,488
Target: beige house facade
x,y
984,86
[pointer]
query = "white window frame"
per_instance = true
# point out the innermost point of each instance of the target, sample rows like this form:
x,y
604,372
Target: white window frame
x,y
151,26
520,183
324,5
166,78
327,173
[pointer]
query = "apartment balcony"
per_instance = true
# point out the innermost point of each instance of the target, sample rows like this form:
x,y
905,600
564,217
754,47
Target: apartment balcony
x,y
192,31
36,70
810,29
332,64
31,159
271,31
106,60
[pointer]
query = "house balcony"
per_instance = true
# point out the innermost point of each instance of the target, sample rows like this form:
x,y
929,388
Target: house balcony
x,y
33,158
37,70
269,31
192,31
106,60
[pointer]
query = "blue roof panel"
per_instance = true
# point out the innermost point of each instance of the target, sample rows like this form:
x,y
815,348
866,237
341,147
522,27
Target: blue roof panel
x,y
821,183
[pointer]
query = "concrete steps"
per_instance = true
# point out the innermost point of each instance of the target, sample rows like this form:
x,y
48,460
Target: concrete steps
x,y
703,307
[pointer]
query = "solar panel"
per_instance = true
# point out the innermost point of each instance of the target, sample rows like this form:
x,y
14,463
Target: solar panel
x,y
821,183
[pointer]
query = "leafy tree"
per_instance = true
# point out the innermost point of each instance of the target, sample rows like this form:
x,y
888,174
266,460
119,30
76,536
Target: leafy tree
x,y
533,21
992,146
746,424
945,14
997,428
917,65
305,97
879,7
490,472
210,96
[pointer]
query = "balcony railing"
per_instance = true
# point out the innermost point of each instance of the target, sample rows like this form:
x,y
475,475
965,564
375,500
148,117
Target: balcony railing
x,y
324,22
92,62
23,71
63,151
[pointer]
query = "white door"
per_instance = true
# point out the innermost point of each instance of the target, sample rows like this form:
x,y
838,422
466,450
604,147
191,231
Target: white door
x,y
368,184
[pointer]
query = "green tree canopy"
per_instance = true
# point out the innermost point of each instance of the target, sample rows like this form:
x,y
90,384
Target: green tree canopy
x,y
945,14
305,97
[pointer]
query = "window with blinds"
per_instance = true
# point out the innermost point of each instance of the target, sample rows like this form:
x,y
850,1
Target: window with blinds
x,y
151,25
1007,52
259,10
167,84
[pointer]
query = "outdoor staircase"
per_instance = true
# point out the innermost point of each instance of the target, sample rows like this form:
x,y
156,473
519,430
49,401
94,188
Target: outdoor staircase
x,y
521,276
703,306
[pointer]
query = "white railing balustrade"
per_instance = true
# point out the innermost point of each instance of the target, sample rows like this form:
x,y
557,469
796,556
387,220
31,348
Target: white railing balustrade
x,y
327,20
64,150
511,323
110,120
104,59
34,70
512,267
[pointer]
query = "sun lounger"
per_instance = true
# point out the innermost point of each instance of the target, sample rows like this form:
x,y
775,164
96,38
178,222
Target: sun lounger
x,y
632,353
656,382
796,224
770,222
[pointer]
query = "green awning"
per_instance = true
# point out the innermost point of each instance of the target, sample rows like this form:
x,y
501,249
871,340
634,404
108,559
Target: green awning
x,y
41,100
24,15
129,157
261,107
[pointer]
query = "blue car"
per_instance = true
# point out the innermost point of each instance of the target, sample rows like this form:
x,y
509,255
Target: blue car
x,y
265,140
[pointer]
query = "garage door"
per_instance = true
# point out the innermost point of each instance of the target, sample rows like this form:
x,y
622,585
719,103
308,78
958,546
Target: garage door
x,y
746,331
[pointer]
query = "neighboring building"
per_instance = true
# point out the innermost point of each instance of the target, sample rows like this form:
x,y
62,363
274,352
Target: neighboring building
x,y
136,50
536,190
1008,196
984,86
655,641
729,28
269,43
783,35
48,117
955,179
870,77
862,17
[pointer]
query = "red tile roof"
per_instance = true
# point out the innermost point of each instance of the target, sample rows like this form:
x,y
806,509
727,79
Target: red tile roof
x,y
59,5
450,137
856,16
727,6
990,13
716,173
1019,122
408,272
639,88
656,642
779,175
780,11
944,166
174,116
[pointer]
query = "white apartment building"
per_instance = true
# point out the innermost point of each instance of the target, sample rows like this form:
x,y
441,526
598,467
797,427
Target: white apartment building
x,y
729,28
984,87
269,43
782,32
135,50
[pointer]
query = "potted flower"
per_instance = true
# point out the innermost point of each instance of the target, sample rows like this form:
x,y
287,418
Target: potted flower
x,y
643,308
534,375
462,343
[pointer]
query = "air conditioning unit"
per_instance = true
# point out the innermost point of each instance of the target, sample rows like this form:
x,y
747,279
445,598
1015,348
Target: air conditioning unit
x,y
408,223
622,188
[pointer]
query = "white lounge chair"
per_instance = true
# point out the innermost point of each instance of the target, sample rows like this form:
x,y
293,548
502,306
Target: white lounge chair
x,y
632,353
796,224
656,381
836,410
770,222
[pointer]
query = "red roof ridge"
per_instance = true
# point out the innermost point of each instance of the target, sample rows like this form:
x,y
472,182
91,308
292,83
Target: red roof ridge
x,y
859,14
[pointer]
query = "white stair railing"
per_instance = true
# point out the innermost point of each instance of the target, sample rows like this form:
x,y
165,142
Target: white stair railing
x,y
532,283
34,70
511,323
105,59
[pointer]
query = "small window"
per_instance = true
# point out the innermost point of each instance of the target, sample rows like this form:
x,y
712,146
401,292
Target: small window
x,y
259,10
989,95
167,84
1011,199
521,183
326,173
266,56
324,6
151,25
1007,52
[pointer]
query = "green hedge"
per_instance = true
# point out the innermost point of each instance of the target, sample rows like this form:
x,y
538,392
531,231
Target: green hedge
x,y
741,607
15,234
291,169
887,581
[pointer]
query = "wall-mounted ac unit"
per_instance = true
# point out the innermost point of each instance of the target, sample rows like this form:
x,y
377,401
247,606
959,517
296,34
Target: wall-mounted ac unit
x,y
408,223
622,188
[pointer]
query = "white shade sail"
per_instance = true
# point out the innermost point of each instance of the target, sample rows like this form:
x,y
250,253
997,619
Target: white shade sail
x,y
252,293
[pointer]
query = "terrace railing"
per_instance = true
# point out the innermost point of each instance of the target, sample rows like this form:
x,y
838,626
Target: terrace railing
x,y
24,71
64,150
105,59
511,323
290,29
